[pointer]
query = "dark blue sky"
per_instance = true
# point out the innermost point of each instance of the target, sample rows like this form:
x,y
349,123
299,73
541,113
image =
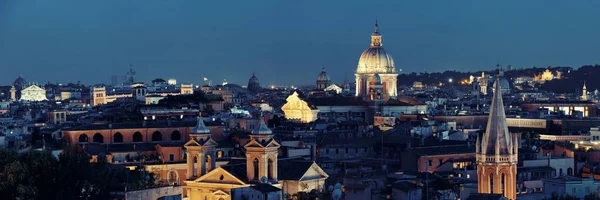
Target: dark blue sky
x,y
284,42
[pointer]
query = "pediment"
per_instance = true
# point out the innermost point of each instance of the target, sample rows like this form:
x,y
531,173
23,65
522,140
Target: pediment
x,y
219,176
253,143
210,143
220,193
273,144
192,143
314,172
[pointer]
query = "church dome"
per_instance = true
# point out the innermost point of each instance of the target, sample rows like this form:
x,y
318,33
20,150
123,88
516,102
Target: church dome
x,y
262,128
20,83
375,59
323,76
253,84
504,85
200,127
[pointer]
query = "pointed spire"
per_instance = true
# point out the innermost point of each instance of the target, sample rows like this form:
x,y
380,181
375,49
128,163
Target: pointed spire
x,y
376,26
584,85
496,139
200,127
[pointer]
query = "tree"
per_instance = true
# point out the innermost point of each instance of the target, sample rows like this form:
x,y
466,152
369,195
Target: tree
x,y
555,196
39,175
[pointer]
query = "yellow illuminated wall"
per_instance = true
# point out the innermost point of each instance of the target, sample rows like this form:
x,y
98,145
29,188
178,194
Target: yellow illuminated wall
x,y
297,109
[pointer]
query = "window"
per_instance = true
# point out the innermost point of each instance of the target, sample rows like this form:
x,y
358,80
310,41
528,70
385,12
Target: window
x,y
430,161
574,190
137,137
98,138
175,136
83,138
326,151
171,157
118,138
156,136
587,189
346,150
337,151
219,154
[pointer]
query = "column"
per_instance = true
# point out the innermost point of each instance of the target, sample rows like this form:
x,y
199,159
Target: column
x,y
190,163
274,166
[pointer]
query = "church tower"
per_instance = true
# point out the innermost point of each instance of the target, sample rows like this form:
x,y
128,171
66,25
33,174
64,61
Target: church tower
x,y
584,95
261,154
375,60
13,93
497,152
200,151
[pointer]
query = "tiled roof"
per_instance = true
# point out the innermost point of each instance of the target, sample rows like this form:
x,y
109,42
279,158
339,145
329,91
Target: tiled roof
x,y
292,169
96,149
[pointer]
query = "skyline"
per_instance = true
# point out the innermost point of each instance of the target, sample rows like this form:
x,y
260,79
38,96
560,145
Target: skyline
x,y
280,39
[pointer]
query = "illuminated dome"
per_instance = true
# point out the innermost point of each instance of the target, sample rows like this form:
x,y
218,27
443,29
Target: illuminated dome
x,y
323,76
20,83
375,59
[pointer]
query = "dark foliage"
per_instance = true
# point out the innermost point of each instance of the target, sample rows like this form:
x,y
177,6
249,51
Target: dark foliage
x,y
39,175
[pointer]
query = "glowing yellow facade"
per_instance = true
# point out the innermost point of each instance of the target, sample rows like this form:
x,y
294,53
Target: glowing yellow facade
x,y
547,76
298,109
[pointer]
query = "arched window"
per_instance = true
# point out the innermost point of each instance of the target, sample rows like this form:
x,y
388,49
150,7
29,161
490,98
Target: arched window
x,y
194,166
491,183
137,137
255,163
570,171
173,176
175,136
83,138
156,136
98,138
118,138
208,163
503,182
270,169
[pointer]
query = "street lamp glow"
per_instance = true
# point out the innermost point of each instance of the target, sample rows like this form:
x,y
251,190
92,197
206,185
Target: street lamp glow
x,y
450,80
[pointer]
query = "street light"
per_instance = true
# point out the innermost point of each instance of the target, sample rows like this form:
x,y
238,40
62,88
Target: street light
x,y
450,80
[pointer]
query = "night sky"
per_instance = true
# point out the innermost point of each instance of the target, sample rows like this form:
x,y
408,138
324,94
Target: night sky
x,y
284,42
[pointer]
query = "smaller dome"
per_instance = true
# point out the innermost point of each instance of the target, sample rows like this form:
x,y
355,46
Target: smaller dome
x,y
323,76
20,83
200,127
504,85
253,79
262,128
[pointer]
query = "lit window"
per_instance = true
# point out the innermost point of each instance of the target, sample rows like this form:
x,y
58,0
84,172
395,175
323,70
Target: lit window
x,y
219,154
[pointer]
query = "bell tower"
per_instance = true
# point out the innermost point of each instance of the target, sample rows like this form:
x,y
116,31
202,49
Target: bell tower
x,y
200,151
497,152
261,154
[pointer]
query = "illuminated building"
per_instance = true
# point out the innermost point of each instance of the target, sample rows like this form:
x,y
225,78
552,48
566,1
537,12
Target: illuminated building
x,y
483,83
375,60
261,166
584,94
323,80
102,95
13,93
33,93
333,87
497,152
547,76
298,109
